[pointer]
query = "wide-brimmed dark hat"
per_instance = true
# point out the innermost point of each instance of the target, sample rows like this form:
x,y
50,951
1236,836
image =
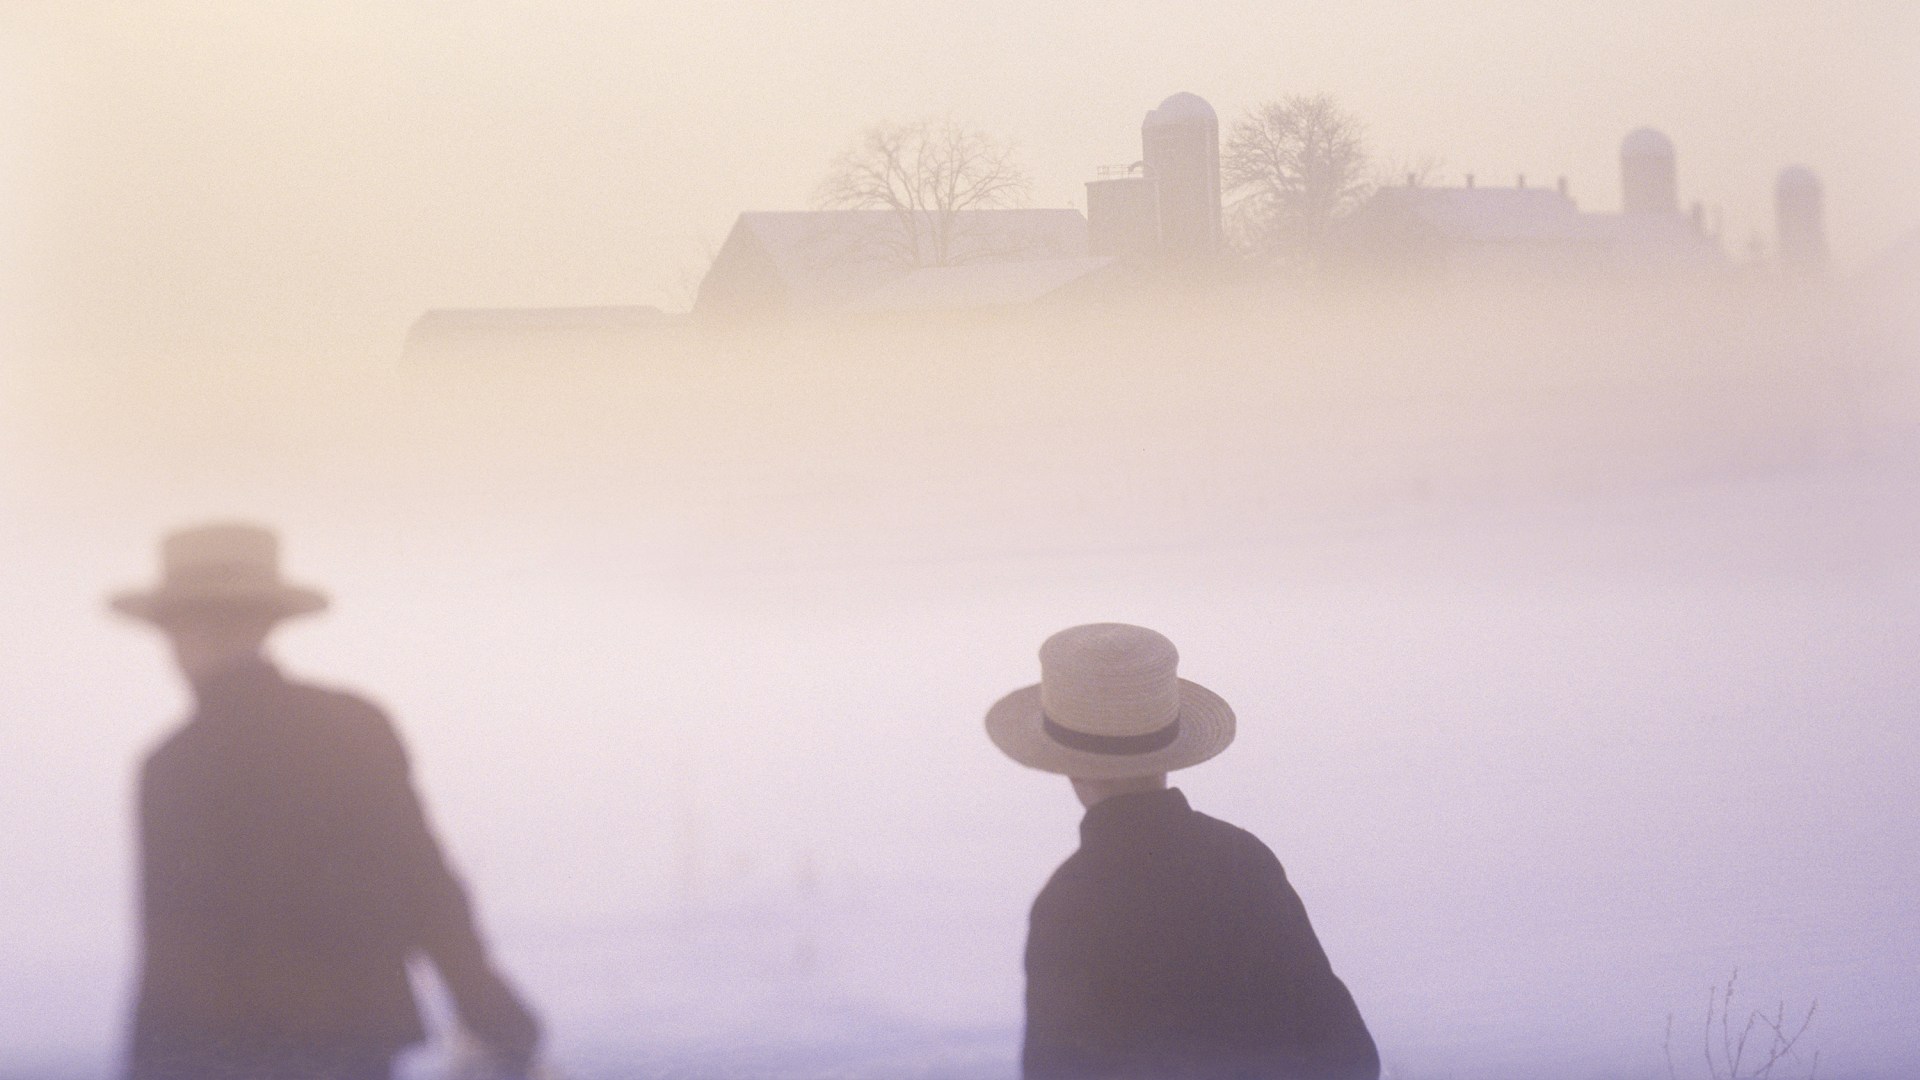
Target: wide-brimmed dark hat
x,y
225,566
1110,706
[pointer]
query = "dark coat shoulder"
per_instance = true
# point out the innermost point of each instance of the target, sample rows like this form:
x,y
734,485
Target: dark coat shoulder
x,y
1172,944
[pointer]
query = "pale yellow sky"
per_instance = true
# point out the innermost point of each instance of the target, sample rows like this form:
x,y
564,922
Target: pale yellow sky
x,y
204,173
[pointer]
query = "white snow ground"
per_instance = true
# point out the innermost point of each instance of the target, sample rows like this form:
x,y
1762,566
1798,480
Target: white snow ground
x,y
1571,679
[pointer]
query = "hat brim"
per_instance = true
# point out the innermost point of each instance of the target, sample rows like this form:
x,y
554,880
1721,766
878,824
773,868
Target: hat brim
x,y
160,605
1015,724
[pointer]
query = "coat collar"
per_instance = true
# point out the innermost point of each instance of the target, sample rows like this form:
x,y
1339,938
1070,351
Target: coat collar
x,y
1124,815
235,685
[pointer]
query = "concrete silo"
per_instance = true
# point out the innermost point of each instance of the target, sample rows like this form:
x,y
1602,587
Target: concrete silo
x,y
1800,230
1648,178
1180,144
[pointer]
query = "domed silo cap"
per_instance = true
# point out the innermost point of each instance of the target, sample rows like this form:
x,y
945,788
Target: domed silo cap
x,y
1796,180
1182,108
1646,143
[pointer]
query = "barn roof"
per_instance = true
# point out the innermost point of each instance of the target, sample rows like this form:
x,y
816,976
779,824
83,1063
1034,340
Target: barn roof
x,y
1543,218
809,261
1489,214
507,333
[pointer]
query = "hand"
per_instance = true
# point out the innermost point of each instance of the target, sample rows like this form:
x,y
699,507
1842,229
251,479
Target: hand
x,y
471,1059
500,1023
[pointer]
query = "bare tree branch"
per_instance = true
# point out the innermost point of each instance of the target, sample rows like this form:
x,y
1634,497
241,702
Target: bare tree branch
x,y
927,172
1291,168
1732,1062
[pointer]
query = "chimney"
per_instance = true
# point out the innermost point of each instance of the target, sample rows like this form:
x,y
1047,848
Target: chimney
x,y
1521,183
1563,187
1699,218
1412,180
1469,179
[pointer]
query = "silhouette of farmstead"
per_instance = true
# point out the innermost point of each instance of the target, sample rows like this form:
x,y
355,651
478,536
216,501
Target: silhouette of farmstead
x,y
869,262
1154,221
1478,231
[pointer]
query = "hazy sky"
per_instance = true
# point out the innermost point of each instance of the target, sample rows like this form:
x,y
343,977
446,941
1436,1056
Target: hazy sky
x,y
205,173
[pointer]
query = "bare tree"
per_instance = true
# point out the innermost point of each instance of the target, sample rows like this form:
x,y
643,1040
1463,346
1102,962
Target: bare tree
x,y
1292,168
927,172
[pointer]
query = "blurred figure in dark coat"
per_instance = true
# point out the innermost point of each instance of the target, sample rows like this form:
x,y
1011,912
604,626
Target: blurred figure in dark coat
x,y
287,870
1170,944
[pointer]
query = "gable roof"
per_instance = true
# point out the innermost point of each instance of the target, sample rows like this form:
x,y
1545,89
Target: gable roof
x,y
1488,214
1537,220
807,261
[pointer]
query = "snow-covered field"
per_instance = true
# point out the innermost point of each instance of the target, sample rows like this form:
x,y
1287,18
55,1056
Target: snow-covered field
x,y
1571,645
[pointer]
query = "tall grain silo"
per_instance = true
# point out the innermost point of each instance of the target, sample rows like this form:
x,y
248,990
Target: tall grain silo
x,y
1648,177
1799,224
1180,143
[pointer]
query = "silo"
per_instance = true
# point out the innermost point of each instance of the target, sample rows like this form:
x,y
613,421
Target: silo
x,y
1180,143
1648,178
1801,233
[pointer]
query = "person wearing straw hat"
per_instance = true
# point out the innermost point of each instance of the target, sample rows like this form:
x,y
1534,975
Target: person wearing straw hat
x,y
287,870
1170,944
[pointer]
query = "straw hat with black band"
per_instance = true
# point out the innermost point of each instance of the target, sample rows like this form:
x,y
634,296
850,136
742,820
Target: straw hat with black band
x,y
1109,706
